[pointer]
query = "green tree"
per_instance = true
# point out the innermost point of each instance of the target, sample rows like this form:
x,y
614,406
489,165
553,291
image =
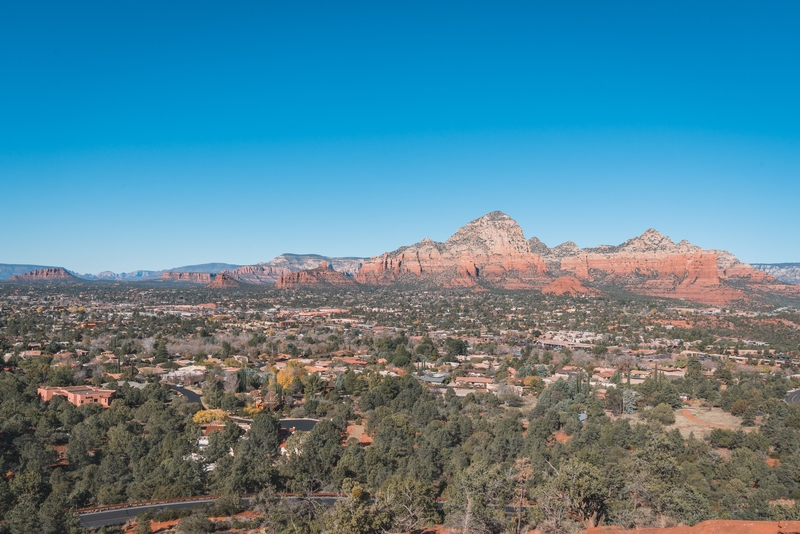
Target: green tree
x,y
577,490
356,514
410,503
478,496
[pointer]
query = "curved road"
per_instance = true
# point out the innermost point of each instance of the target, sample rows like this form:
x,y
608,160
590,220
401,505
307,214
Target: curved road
x,y
190,395
793,396
118,516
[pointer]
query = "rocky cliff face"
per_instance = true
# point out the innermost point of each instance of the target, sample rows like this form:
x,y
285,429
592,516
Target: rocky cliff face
x,y
492,252
320,277
49,274
269,272
652,264
262,273
489,251
191,278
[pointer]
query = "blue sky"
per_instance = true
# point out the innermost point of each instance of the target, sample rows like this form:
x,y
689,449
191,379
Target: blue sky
x,y
144,136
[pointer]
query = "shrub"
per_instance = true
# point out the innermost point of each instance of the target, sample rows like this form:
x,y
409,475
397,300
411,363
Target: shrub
x,y
739,407
662,413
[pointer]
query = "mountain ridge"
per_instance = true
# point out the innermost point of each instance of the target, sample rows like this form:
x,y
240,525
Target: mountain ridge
x,y
492,252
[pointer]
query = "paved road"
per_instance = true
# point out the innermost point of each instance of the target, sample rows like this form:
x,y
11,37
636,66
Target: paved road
x,y
190,395
793,396
119,516
299,424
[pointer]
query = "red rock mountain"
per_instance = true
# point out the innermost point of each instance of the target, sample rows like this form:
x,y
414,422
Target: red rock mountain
x,y
322,276
50,274
652,264
490,251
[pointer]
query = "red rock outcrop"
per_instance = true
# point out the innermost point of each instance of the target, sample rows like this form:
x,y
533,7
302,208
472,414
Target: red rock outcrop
x,y
568,285
191,278
489,251
652,264
711,527
322,276
261,273
269,272
224,281
50,274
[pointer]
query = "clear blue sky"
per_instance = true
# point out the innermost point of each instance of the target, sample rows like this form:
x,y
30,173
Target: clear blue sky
x,y
146,135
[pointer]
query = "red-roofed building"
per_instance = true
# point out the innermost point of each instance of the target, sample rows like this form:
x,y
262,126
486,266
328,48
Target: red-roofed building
x,y
78,395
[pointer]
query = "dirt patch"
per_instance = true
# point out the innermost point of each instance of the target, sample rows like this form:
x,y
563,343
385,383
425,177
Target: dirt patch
x,y
713,527
561,437
701,421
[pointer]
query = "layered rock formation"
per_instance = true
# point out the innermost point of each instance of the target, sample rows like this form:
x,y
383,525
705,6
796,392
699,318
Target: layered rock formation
x,y
269,272
190,278
49,274
490,251
321,277
652,264
7,270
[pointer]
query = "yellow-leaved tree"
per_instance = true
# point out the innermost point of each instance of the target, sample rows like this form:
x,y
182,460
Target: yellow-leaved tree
x,y
204,417
293,369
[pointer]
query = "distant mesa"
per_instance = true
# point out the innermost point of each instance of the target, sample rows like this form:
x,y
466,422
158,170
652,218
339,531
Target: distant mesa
x,y
190,278
269,272
321,277
48,274
7,270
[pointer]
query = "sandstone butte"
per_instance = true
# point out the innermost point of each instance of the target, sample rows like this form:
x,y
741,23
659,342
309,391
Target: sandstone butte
x,y
491,251
44,275
223,281
322,276
711,527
